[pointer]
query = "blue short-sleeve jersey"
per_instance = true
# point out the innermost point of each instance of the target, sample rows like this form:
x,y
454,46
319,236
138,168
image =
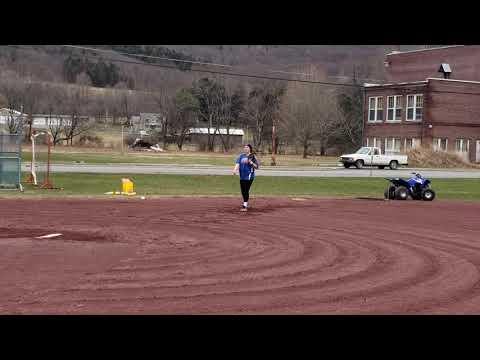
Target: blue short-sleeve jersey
x,y
247,171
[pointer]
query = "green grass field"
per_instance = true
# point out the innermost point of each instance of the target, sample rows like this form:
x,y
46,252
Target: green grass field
x,y
175,185
182,158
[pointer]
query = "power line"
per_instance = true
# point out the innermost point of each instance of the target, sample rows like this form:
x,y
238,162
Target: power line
x,y
272,78
143,56
194,62
172,59
263,77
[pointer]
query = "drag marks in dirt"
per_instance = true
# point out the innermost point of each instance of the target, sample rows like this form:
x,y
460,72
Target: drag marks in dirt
x,y
320,256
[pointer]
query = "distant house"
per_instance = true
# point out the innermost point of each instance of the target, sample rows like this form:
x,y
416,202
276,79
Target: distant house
x,y
43,121
6,115
199,136
39,121
147,121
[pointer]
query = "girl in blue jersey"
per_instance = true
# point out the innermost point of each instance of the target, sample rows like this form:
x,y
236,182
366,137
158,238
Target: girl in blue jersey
x,y
245,165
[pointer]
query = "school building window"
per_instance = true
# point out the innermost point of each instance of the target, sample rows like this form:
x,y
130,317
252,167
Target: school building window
x,y
440,144
415,107
375,109
392,145
394,110
462,145
412,143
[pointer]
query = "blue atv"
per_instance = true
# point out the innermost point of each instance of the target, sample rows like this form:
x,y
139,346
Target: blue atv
x,y
417,187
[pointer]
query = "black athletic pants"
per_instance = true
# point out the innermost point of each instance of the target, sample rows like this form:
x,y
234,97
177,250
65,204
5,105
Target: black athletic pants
x,y
245,186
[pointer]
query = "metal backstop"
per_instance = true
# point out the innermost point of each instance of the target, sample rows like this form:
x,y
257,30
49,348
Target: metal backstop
x,y
10,161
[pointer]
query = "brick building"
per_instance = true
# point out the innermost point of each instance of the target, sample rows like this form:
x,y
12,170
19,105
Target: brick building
x,y
432,99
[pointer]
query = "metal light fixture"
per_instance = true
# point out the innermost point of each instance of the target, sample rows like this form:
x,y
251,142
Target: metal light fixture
x,y
445,70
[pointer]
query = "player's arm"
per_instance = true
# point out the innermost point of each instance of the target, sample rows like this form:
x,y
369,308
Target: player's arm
x,y
237,166
254,163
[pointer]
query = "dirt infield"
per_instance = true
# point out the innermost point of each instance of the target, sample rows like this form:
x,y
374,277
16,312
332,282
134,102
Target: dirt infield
x,y
199,256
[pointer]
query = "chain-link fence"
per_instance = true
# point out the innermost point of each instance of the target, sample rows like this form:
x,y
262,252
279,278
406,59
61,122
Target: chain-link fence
x,y
10,160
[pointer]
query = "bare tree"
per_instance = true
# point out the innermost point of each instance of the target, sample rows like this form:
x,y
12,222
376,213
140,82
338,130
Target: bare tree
x,y
32,93
208,94
76,124
310,113
83,79
15,121
12,90
263,109
127,102
55,106
186,110
166,108
220,106
230,102
350,112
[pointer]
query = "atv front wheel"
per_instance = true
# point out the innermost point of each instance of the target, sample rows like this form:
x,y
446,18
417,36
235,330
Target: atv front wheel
x,y
428,195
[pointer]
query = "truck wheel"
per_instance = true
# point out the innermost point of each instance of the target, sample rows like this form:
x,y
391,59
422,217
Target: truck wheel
x,y
359,164
347,165
381,167
401,193
390,193
428,195
393,165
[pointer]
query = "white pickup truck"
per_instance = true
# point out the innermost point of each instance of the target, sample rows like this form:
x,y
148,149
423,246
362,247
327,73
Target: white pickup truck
x,y
372,156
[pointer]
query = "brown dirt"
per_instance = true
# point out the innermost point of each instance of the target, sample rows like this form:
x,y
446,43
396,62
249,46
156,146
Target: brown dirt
x,y
199,256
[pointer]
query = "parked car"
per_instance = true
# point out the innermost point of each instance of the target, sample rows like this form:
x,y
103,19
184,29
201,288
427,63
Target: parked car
x,y
372,156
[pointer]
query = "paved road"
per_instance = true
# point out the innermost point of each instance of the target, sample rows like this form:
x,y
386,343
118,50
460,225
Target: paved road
x,y
265,171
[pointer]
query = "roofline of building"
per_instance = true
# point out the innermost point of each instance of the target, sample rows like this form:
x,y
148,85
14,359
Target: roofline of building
x,y
396,84
418,50
56,115
455,80
420,82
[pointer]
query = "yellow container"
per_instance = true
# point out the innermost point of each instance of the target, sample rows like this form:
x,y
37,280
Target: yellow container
x,y
127,186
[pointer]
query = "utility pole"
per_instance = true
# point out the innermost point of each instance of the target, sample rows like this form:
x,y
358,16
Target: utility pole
x,y
273,163
122,140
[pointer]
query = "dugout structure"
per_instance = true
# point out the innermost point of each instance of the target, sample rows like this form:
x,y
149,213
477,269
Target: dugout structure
x,y
10,161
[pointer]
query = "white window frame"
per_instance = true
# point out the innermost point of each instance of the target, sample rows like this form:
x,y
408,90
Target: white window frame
x,y
375,141
375,109
394,141
437,142
462,141
415,97
395,108
415,143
